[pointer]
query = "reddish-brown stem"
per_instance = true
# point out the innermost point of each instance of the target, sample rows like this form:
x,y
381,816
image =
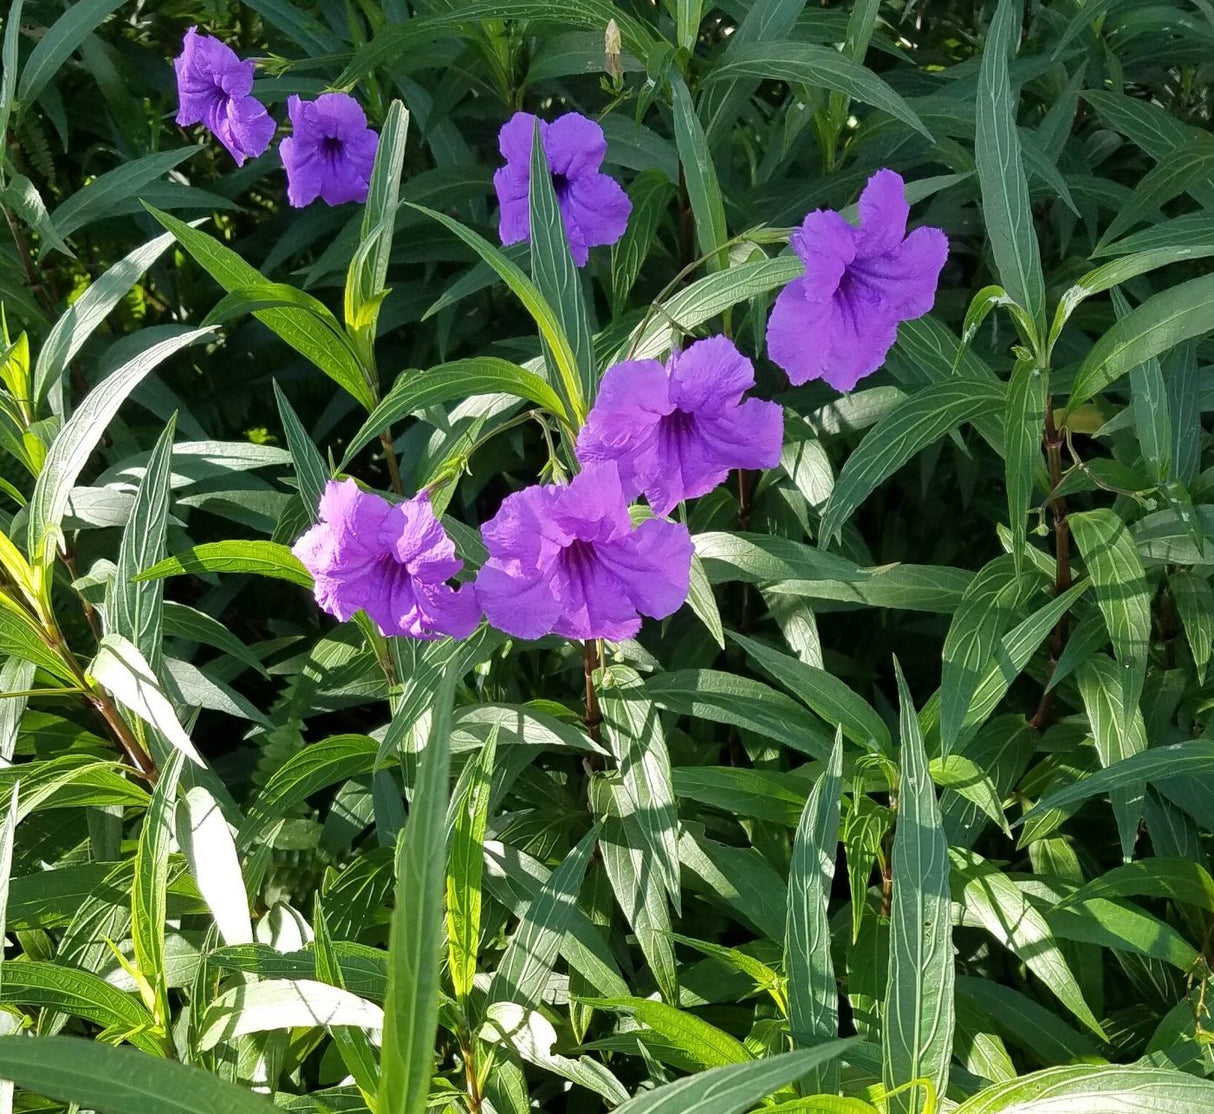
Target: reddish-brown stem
x,y
1052,444
593,718
385,439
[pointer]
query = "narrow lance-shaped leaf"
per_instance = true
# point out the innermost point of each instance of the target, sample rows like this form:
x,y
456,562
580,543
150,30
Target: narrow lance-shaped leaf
x,y
311,474
813,997
1024,419
918,1013
149,896
700,177
1005,192
411,1010
556,275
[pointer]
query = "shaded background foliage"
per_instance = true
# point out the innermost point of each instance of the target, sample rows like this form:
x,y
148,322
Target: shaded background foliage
x,y
1113,130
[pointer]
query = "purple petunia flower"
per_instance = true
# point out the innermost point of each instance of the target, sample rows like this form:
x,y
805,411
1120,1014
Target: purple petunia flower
x,y
213,88
838,322
676,431
330,152
392,561
594,207
566,559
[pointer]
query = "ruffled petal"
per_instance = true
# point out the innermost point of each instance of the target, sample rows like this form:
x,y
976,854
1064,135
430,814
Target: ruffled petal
x,y
594,604
455,612
418,541
622,426
514,139
906,277
749,435
575,145
883,212
599,207
592,507
517,599
826,244
524,533
243,126
514,220
710,374
653,564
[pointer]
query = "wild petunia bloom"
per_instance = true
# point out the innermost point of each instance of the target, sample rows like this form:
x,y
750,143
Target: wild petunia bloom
x,y
330,152
214,88
392,561
594,207
676,431
566,559
838,322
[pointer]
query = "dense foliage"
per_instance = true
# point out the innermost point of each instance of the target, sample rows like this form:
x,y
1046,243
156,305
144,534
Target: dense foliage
x,y
908,808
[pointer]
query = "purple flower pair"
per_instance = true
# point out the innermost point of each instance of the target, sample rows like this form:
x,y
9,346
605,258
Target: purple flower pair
x,y
563,559
331,151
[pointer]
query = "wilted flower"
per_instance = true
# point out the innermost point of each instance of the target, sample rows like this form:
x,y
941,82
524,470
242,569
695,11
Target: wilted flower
x,y
594,207
330,152
676,431
838,321
213,88
391,561
567,560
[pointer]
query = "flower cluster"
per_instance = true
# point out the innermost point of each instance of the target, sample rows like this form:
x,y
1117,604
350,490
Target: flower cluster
x,y
331,151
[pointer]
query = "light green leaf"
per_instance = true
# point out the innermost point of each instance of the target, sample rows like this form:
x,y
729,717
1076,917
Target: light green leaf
x,y
209,849
701,1042
920,421
414,948
700,176
260,557
918,1010
1195,604
1092,1089
1023,422
311,472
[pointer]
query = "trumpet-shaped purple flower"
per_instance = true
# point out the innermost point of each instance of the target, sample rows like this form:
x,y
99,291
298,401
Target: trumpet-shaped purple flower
x,y
214,88
566,559
676,431
594,207
392,561
330,152
838,321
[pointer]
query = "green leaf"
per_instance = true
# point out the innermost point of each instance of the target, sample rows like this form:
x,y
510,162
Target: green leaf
x,y
208,847
70,450
987,612
108,191
1181,880
415,942
528,293
737,791
1119,731
368,275
283,1004
57,987
733,1088
149,896
459,379
920,421
634,734
1005,192
822,692
918,1010
10,51
465,872
1195,604
813,996
556,276
1164,320
527,963
23,197
135,610
1171,175
1023,424
700,177
118,1080
1122,592
993,899
302,330
1092,1089
260,557
311,472
57,45
819,67
704,1044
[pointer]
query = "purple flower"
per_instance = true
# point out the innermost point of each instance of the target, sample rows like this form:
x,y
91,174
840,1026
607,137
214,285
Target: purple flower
x,y
390,560
676,431
566,559
594,207
839,320
330,152
213,88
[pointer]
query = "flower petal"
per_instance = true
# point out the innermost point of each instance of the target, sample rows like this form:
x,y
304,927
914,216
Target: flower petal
x,y
594,604
622,426
883,212
419,542
653,564
599,207
445,610
243,126
749,435
826,244
514,220
575,145
592,507
906,277
711,373
514,139
517,599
